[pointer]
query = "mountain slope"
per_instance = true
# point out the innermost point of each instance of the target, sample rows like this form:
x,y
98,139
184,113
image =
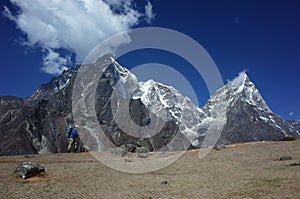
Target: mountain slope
x,y
36,124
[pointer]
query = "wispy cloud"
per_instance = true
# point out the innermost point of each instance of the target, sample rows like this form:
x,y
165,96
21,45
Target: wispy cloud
x,y
76,26
292,113
149,12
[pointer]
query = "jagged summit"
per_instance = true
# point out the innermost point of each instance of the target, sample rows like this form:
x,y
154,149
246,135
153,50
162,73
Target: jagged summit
x,y
240,80
241,88
248,117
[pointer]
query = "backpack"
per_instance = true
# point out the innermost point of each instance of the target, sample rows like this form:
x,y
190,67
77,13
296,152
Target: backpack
x,y
74,133
68,131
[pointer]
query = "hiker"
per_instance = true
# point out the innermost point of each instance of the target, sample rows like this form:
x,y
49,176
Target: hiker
x,y
72,135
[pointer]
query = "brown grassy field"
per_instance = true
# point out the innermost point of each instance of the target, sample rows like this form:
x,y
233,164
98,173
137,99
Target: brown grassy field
x,y
238,171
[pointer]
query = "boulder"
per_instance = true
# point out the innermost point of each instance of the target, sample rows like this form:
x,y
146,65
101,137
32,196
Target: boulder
x,y
119,151
219,147
29,169
295,164
142,152
284,158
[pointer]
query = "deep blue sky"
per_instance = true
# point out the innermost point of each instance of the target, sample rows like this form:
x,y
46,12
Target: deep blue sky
x,y
262,37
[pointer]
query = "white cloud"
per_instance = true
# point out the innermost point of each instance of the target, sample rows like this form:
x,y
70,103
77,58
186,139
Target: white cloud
x,y
291,113
75,25
54,63
120,4
149,12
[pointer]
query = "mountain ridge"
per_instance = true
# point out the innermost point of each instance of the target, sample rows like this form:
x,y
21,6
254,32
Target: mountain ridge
x,y
36,124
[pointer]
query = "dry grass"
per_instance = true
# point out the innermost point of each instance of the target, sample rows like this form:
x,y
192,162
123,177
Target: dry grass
x,y
239,171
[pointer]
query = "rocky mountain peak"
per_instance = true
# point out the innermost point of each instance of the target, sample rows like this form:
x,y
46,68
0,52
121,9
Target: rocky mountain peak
x,y
248,117
240,89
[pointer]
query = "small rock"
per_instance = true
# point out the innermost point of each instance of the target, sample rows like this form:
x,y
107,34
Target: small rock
x,y
295,164
284,158
164,182
219,147
29,169
119,151
142,152
83,149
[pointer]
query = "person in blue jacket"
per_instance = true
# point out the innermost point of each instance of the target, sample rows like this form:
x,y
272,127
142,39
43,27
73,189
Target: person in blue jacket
x,y
72,135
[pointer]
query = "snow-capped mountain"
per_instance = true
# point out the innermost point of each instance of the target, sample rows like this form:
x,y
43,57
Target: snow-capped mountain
x,y
147,112
169,104
140,113
248,117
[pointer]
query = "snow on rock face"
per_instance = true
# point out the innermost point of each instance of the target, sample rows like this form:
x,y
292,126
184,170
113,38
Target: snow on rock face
x,y
237,110
248,117
169,104
150,105
62,84
240,88
239,81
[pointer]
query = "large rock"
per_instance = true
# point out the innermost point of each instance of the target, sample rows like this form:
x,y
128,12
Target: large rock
x,y
29,169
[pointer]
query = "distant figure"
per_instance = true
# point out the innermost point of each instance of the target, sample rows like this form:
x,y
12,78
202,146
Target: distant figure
x,y
72,136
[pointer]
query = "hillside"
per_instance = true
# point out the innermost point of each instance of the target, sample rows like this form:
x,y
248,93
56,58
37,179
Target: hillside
x,y
238,171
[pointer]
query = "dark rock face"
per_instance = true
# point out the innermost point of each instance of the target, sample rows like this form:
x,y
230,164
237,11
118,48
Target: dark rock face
x,y
12,125
294,127
137,111
36,124
244,125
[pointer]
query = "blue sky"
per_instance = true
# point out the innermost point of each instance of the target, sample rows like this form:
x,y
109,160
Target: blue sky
x,y
261,37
